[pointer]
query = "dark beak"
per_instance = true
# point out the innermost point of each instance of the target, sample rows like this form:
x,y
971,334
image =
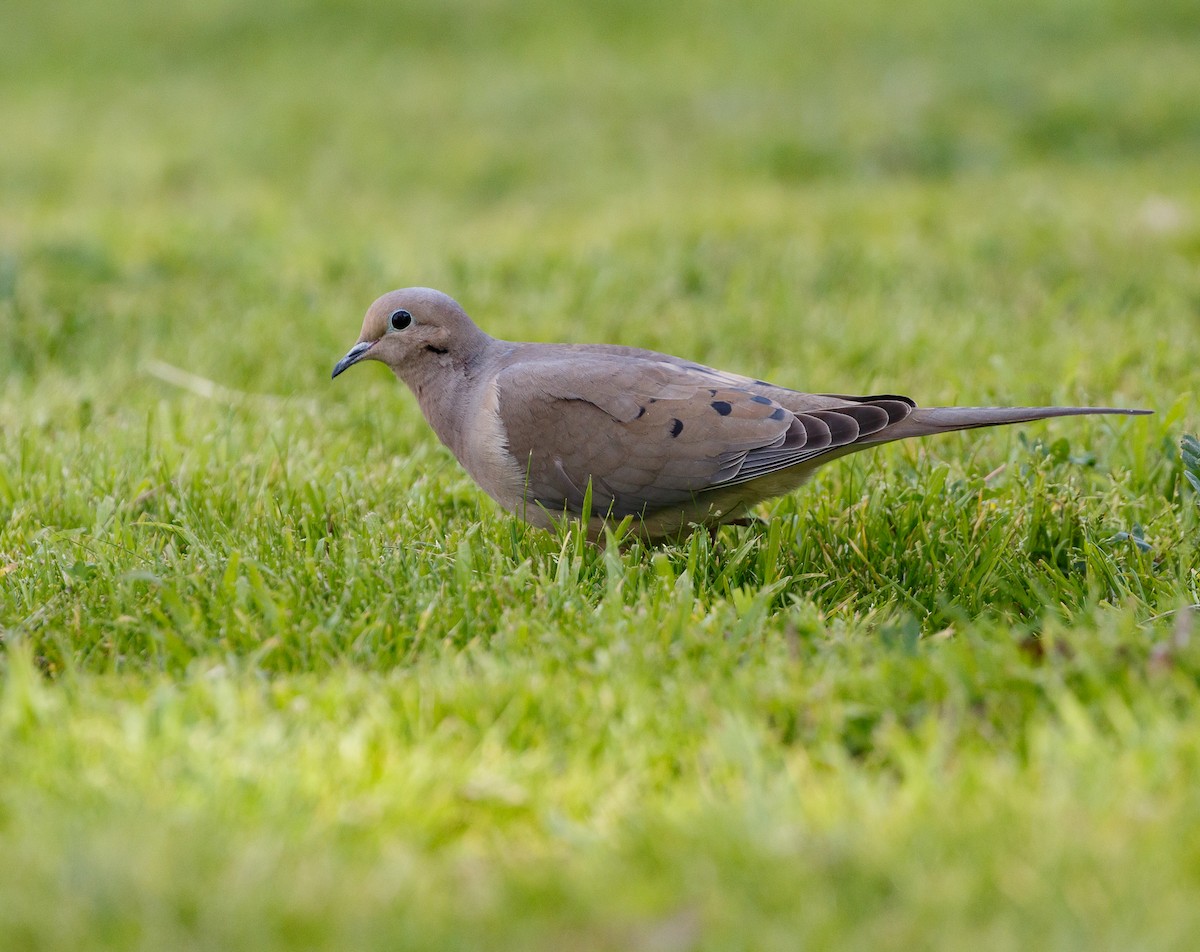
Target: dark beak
x,y
356,353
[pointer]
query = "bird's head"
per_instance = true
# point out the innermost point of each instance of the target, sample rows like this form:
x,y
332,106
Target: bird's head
x,y
411,327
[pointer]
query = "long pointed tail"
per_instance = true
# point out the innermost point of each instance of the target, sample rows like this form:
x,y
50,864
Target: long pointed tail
x,y
924,421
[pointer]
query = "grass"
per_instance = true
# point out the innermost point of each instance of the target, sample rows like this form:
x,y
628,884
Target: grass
x,y
275,675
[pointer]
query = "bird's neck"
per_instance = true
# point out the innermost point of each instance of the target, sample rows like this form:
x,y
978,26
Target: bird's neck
x,y
443,385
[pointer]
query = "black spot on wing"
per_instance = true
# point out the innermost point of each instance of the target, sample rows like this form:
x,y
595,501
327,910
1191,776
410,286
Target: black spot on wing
x,y
641,413
810,436
758,398
676,427
723,407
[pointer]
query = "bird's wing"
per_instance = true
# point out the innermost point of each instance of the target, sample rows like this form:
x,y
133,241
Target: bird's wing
x,y
650,434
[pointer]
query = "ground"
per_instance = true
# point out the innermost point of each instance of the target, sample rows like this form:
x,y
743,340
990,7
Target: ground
x,y
275,675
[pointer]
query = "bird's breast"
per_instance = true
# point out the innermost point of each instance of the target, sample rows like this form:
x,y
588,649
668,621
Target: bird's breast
x,y
484,452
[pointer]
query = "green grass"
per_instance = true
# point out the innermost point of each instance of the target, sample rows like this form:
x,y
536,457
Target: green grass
x,y
275,675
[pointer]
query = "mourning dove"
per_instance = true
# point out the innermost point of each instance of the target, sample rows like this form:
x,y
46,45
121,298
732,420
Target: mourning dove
x,y
674,444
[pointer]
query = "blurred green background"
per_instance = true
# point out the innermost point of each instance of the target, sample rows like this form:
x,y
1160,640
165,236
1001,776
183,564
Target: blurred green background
x,y
190,181
274,674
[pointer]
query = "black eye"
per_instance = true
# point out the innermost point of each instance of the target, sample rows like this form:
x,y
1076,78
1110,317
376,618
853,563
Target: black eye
x,y
401,319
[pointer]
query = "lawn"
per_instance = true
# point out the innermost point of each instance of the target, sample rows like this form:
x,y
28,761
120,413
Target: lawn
x,y
274,674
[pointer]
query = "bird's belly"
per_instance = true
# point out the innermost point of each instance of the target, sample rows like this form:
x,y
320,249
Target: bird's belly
x,y
704,510
718,506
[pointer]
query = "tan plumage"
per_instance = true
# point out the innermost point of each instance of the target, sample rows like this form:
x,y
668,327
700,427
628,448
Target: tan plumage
x,y
671,443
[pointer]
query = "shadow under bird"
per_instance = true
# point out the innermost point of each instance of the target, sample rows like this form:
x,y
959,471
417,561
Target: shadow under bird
x,y
674,444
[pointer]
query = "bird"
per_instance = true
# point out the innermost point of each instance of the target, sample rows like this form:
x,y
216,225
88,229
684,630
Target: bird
x,y
564,431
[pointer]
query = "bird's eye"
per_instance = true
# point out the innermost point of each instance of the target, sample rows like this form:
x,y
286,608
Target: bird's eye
x,y
400,319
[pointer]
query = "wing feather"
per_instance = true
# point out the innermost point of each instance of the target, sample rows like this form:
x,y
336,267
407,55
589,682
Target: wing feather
x,y
651,433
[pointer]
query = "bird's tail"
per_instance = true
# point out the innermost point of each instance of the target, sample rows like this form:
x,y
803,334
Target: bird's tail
x,y
925,421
